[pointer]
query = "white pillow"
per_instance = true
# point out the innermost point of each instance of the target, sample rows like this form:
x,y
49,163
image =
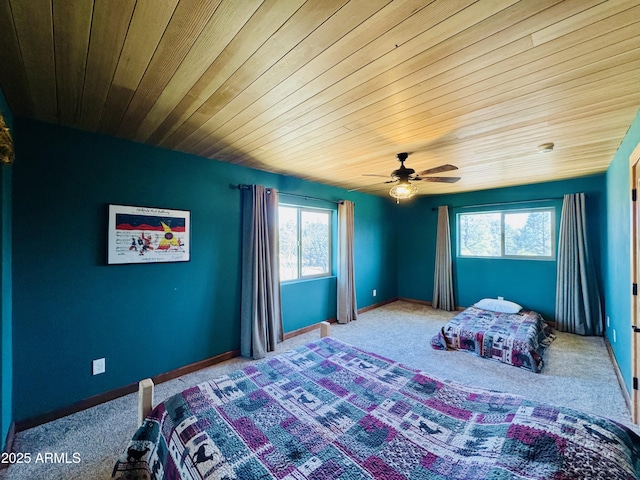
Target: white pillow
x,y
496,305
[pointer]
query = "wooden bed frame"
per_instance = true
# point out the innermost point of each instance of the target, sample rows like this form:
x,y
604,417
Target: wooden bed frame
x,y
145,387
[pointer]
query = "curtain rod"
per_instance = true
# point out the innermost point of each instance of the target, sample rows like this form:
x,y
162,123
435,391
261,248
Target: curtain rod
x,y
504,203
511,203
243,186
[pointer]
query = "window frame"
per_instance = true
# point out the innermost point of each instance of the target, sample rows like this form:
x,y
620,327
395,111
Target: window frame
x,y
299,211
503,212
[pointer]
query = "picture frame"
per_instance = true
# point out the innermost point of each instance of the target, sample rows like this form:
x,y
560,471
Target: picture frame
x,y
139,234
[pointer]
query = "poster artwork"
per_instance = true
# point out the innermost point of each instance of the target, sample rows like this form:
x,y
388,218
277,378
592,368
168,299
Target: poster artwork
x,y
146,235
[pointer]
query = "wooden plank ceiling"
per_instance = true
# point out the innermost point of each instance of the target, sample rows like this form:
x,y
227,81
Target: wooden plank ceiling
x,y
329,90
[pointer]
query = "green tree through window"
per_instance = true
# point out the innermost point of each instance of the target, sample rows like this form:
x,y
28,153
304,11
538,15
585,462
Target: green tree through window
x,y
479,234
528,234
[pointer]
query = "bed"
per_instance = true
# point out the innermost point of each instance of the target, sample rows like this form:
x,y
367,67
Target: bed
x,y
328,410
499,330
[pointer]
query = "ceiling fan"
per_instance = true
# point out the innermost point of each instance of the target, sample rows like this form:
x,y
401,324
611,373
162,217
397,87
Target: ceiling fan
x,y
403,176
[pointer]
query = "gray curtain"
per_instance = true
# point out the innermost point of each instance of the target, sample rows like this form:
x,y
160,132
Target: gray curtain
x,y
347,306
578,307
261,315
443,275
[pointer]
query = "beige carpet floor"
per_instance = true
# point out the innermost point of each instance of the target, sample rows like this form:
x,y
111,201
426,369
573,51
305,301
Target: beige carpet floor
x,y
578,372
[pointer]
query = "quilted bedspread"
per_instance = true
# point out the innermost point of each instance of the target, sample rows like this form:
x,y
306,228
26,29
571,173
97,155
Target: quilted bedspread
x,y
517,339
331,411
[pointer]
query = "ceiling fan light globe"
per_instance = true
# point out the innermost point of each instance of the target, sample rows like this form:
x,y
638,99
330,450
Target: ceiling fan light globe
x,y
403,191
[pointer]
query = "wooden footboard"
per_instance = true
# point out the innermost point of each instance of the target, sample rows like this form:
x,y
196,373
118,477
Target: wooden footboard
x,y
145,399
145,387
325,329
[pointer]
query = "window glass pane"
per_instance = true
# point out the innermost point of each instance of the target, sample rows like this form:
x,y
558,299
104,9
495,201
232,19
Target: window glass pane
x,y
305,242
314,247
288,224
507,233
479,234
528,233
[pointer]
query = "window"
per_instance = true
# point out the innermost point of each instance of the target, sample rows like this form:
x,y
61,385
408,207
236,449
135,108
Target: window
x,y
305,242
507,234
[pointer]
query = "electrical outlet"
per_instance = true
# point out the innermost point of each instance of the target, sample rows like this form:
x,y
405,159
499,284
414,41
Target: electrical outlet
x,y
99,366
374,292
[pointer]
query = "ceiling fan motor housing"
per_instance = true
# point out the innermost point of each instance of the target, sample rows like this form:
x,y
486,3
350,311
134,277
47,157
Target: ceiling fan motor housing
x,y
403,173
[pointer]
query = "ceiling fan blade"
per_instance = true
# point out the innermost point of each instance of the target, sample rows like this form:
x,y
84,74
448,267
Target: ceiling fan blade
x,y
441,179
374,175
441,168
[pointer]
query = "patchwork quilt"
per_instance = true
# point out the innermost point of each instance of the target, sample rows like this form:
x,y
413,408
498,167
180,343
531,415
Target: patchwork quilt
x,y
517,339
331,411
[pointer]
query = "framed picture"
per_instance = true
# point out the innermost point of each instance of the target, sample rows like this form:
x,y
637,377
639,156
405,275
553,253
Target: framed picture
x,y
148,235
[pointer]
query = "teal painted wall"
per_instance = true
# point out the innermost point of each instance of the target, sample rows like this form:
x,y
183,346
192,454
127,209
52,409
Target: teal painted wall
x,y
617,271
70,307
313,297
6,292
528,282
375,225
